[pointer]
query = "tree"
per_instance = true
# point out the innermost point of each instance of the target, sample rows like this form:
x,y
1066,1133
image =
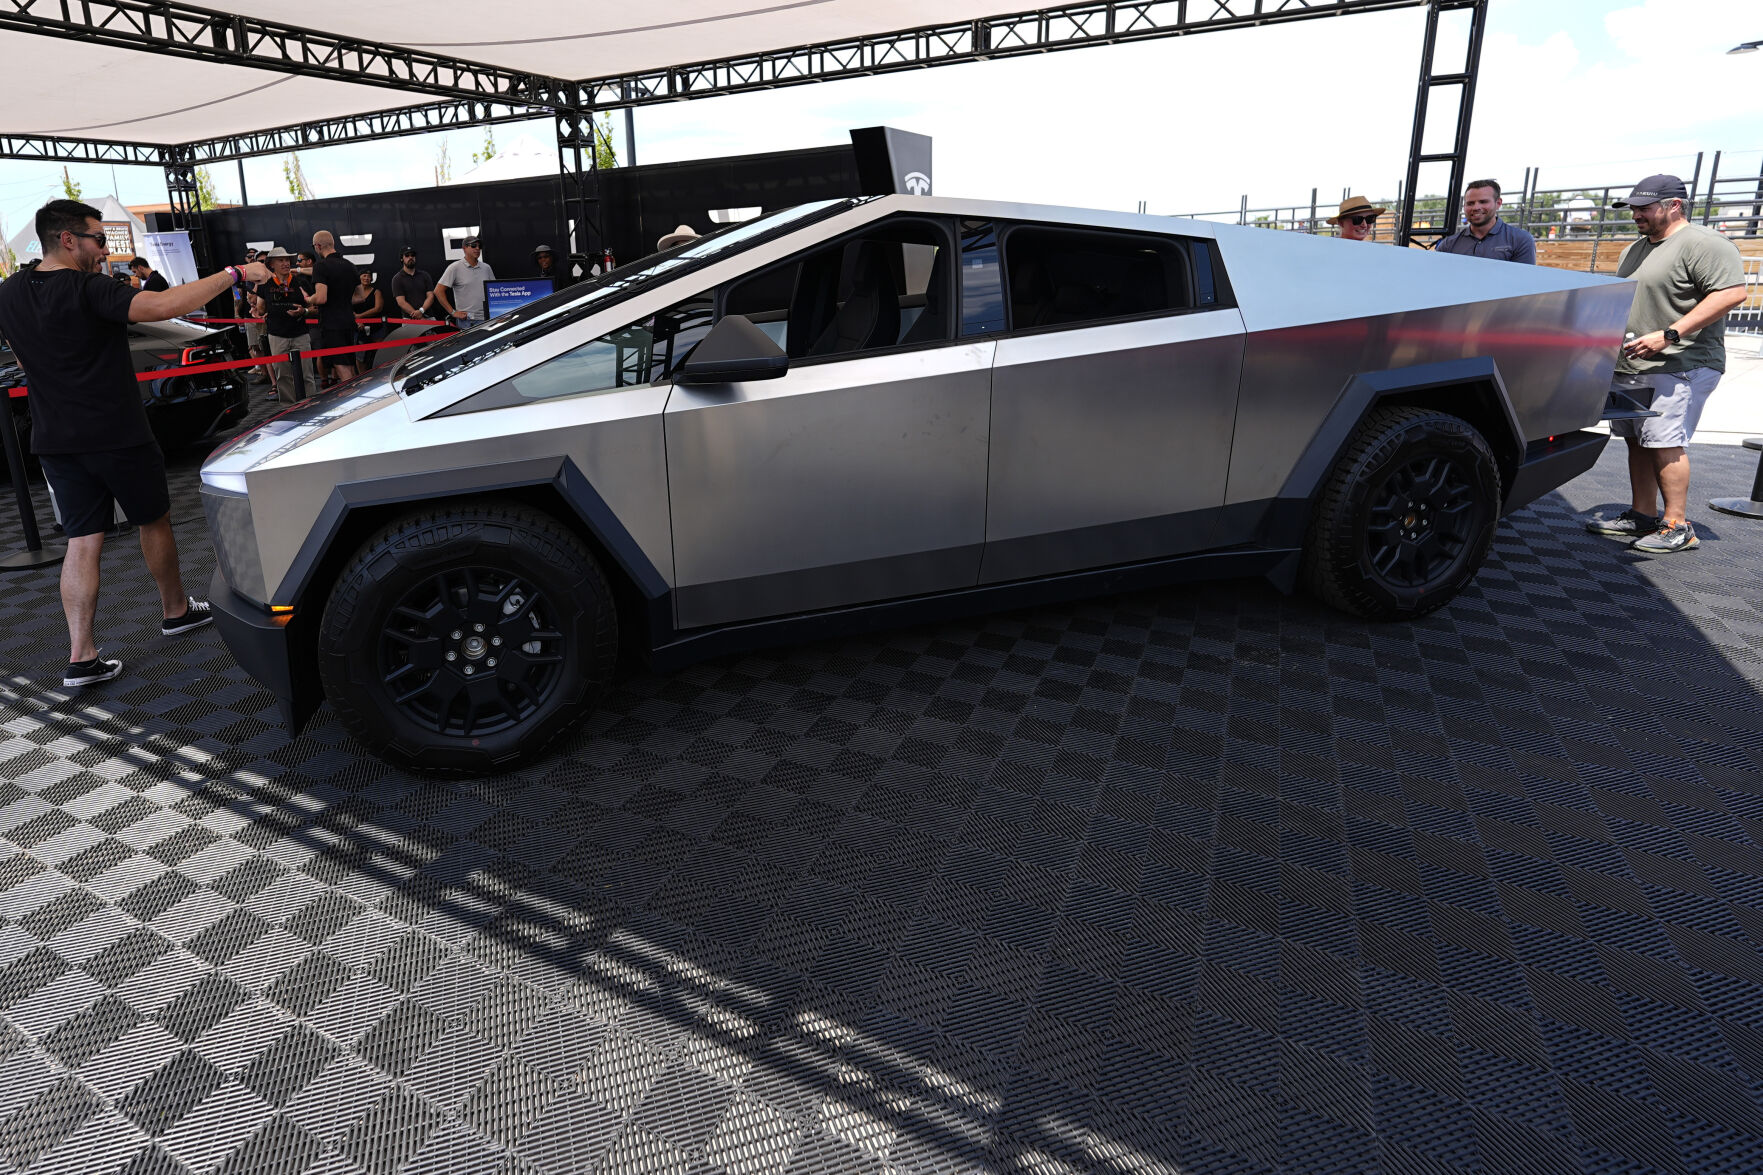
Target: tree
x,y
489,151
68,188
204,189
8,260
604,155
443,165
296,177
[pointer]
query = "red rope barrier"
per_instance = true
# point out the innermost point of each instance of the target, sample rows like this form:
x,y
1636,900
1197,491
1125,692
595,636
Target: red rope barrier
x,y
21,391
361,321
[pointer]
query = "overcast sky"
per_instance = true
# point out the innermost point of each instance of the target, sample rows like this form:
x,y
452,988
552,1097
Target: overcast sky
x,y
1590,91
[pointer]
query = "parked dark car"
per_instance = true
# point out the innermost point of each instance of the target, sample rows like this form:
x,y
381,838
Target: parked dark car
x,y
183,410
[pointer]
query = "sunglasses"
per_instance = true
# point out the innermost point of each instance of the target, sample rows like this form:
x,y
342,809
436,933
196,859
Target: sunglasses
x,y
1361,220
100,238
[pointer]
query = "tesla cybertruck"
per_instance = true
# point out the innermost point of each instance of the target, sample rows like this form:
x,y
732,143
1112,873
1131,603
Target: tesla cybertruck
x,y
886,410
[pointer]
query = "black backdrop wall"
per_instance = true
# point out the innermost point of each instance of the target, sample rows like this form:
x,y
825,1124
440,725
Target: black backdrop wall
x,y
639,205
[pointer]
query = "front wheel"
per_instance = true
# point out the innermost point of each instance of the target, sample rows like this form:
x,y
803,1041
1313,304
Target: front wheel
x,y
465,640
1406,517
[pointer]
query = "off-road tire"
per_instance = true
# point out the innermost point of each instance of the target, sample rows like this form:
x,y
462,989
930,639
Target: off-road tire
x,y
440,570
1407,472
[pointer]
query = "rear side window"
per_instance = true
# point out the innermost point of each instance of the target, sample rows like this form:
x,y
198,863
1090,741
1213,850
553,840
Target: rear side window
x,y
1063,277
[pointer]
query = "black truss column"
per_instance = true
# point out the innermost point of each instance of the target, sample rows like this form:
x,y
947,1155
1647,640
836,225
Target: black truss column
x,y
1464,83
186,208
578,185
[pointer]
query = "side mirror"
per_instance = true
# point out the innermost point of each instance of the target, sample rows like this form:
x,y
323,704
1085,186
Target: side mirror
x,y
734,350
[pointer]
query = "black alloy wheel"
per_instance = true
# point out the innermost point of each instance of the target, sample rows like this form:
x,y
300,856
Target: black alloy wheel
x,y
1419,524
1406,516
471,651
464,640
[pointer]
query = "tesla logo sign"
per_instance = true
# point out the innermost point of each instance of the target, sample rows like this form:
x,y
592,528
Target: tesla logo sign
x,y
917,183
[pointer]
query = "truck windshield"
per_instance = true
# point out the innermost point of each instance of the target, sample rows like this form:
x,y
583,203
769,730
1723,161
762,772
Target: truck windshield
x,y
468,348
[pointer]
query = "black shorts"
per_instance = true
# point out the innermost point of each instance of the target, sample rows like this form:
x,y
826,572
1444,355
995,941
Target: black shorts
x,y
86,483
336,336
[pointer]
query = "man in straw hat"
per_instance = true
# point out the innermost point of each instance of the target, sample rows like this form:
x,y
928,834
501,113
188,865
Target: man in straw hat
x,y
282,303
1356,218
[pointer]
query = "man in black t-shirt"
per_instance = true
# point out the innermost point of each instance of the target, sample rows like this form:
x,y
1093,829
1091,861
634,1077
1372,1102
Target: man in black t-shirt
x,y
333,284
413,290
148,278
67,322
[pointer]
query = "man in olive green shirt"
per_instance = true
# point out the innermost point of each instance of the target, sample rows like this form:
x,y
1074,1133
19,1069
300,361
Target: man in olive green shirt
x,y
1687,278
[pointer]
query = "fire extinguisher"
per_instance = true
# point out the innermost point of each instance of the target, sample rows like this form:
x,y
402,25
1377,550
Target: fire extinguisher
x,y
607,262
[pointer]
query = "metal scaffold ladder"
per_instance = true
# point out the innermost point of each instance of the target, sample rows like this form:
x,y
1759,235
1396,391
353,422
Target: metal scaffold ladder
x,y
1461,80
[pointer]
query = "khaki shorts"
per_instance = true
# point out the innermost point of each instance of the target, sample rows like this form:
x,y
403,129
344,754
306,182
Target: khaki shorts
x,y
1678,398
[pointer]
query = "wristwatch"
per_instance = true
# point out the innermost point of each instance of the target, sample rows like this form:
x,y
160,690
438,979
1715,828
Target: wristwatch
x,y
1672,336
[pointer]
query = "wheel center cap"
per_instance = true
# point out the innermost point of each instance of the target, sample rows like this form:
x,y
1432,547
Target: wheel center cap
x,y
476,647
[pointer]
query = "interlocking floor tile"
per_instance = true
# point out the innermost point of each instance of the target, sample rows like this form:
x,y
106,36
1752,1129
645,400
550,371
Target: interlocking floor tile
x,y
1200,880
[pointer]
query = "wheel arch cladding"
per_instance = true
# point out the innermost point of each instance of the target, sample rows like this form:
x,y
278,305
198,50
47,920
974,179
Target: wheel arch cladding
x,y
555,486
518,544
1467,388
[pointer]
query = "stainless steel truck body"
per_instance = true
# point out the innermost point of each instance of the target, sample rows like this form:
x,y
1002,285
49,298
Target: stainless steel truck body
x,y
881,410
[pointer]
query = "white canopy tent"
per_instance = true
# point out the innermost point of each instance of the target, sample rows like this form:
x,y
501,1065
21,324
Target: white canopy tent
x,y
25,247
176,85
169,73
150,96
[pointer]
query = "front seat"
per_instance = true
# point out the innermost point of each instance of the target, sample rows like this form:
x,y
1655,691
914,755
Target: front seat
x,y
870,317
933,323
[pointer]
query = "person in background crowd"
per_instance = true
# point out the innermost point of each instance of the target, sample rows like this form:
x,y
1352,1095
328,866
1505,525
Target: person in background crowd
x,y
1485,234
678,236
412,289
281,302
1356,218
461,288
545,261
254,335
68,325
1687,278
149,279
306,262
333,284
367,301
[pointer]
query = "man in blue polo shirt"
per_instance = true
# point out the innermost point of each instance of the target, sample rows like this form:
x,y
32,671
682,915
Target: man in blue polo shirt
x,y
1486,235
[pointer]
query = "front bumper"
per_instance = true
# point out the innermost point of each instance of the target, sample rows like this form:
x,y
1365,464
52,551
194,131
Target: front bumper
x,y
1549,465
277,652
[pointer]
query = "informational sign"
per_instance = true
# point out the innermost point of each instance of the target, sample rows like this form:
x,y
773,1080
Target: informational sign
x,y
119,237
505,296
170,255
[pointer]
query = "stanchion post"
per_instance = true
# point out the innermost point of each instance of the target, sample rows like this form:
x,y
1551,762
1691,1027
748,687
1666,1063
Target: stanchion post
x,y
35,553
1751,507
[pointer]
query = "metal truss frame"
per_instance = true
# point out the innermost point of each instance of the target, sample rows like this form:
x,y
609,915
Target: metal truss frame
x,y
477,94
578,177
362,128
165,27
1431,82
186,209
53,150
1073,26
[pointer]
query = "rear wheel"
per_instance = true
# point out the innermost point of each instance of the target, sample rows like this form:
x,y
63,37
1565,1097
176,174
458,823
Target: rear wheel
x,y
466,640
1406,517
